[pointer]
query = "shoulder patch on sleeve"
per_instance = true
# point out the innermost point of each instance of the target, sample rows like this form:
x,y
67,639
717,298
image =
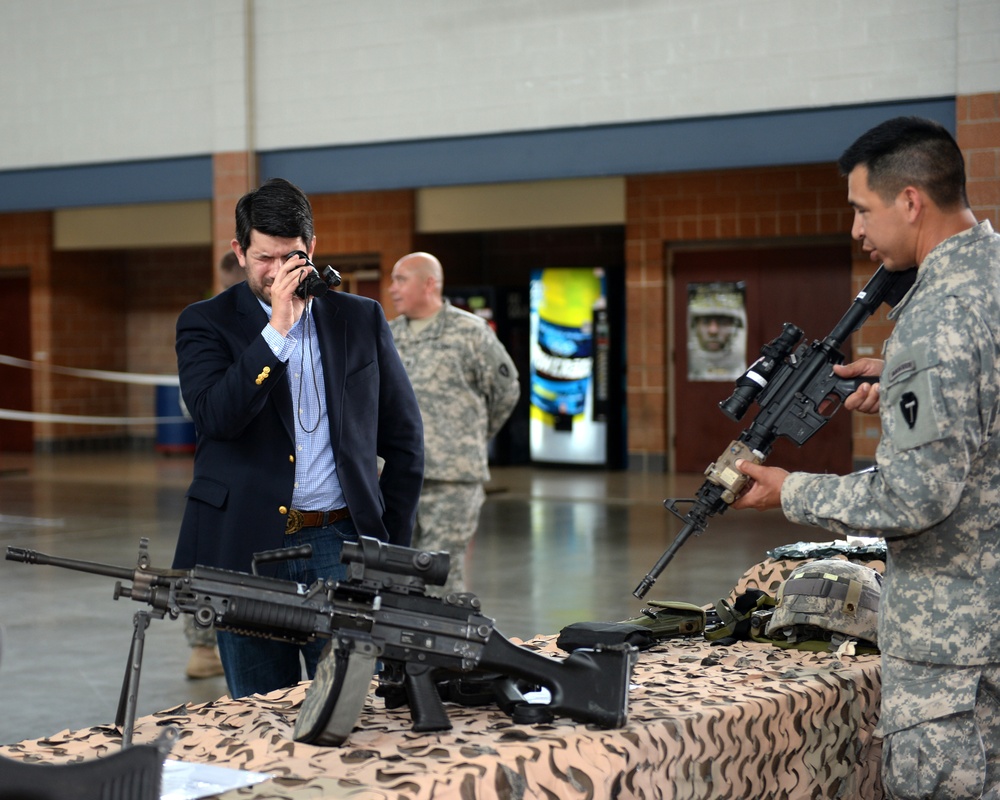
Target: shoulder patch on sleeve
x,y
901,369
913,393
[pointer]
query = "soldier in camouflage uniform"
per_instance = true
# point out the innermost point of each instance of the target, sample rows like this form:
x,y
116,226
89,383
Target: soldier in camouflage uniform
x,y
466,386
935,492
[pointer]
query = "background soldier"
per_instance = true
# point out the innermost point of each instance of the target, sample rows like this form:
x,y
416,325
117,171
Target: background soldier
x,y
466,386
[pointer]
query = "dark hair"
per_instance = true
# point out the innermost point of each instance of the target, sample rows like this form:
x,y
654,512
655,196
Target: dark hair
x,y
229,262
910,151
278,208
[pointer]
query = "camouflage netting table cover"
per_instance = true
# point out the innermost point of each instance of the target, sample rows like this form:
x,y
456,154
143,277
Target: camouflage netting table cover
x,y
749,720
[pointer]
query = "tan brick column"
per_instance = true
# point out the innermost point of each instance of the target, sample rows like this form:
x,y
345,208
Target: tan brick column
x,y
978,134
233,175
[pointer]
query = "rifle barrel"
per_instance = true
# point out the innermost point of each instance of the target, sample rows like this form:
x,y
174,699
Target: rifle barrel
x,y
26,556
646,584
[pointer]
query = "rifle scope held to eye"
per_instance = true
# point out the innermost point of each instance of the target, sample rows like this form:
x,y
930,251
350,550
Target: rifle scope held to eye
x,y
752,382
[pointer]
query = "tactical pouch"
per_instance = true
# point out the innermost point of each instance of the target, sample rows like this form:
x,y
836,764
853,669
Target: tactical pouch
x,y
736,619
589,634
664,619
659,620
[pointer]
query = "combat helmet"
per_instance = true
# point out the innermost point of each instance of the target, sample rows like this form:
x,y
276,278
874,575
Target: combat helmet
x,y
716,300
829,599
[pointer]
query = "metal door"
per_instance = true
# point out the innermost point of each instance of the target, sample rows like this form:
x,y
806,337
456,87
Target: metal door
x,y
809,286
15,382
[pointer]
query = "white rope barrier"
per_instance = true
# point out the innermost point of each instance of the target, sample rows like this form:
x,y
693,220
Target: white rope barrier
x,y
96,374
31,416
139,379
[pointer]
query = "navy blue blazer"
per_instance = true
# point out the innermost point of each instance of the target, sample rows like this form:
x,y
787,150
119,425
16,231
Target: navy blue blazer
x,y
238,395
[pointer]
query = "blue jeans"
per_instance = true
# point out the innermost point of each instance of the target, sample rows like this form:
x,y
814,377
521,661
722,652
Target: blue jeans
x,y
257,666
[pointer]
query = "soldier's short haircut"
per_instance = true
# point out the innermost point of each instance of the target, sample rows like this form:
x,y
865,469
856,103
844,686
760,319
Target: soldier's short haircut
x,y
910,151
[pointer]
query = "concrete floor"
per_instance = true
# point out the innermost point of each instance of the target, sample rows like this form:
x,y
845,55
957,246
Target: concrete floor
x,y
555,546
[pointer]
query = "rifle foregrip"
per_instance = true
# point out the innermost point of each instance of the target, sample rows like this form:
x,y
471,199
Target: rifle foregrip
x,y
245,615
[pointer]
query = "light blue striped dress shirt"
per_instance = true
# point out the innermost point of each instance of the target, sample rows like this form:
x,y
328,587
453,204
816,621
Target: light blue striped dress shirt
x,y
317,487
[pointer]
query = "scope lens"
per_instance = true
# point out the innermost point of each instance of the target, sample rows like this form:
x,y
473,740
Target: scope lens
x,y
739,401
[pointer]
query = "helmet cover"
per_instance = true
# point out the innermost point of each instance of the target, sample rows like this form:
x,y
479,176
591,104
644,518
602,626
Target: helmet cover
x,y
827,597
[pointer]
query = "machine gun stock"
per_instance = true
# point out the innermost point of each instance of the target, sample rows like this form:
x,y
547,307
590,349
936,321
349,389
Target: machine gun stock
x,y
797,393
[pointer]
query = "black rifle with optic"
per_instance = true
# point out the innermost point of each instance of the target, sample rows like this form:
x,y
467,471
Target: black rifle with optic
x,y
378,619
797,393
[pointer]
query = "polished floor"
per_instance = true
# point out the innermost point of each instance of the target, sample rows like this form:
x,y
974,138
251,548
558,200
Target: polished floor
x,y
555,546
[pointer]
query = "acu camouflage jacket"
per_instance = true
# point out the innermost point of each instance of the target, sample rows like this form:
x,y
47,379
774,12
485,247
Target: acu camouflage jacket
x,y
466,386
935,495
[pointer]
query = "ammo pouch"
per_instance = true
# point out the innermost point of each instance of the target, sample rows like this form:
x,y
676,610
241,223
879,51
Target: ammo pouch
x,y
735,620
659,620
664,619
589,634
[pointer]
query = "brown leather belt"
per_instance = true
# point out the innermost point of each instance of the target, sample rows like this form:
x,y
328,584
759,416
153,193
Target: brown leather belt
x,y
297,520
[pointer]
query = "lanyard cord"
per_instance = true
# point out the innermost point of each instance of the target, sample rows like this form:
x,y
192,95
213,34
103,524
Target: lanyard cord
x,y
302,369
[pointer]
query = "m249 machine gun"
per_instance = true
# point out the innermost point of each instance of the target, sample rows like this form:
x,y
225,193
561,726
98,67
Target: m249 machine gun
x,y
378,619
797,392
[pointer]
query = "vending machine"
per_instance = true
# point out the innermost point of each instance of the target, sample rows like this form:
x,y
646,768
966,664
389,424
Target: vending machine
x,y
576,371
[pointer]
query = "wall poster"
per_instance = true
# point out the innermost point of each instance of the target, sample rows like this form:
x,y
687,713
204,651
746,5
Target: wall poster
x,y
717,331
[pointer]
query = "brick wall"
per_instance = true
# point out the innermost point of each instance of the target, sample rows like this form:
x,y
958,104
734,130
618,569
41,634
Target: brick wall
x,y
117,311
161,283
366,222
978,134
233,175
25,242
75,317
87,331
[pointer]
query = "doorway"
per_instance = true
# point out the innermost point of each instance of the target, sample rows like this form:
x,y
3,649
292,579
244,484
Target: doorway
x,y
808,285
15,382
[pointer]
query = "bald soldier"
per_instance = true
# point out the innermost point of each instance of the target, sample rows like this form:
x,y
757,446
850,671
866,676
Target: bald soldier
x,y
466,386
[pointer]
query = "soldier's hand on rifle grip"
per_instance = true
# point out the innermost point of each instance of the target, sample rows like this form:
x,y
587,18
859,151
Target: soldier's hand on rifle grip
x,y
866,398
764,490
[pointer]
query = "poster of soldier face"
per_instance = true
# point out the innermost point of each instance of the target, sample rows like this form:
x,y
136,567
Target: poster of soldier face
x,y
717,331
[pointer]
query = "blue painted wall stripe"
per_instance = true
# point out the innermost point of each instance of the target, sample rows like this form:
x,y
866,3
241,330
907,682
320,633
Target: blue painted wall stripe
x,y
160,181
750,140
779,138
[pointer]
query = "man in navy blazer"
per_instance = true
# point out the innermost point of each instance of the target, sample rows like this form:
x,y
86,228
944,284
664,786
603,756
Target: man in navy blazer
x,y
308,429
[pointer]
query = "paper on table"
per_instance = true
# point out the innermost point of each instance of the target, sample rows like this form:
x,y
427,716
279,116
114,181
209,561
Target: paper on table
x,y
188,781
